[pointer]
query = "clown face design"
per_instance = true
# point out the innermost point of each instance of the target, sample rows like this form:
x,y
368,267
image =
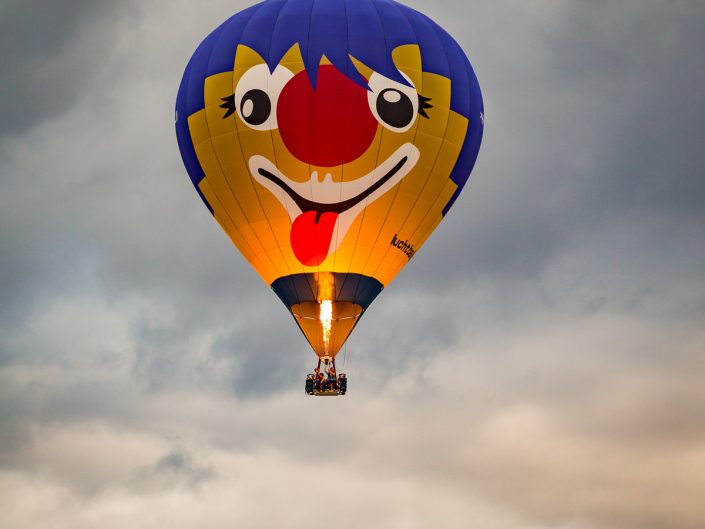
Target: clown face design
x,y
327,175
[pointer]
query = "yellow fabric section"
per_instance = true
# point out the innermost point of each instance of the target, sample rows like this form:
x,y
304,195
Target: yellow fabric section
x,y
245,58
416,194
222,200
392,264
408,59
257,260
230,140
411,211
292,59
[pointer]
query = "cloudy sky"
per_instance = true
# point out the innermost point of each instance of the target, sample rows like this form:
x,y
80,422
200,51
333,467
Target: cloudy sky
x,y
538,365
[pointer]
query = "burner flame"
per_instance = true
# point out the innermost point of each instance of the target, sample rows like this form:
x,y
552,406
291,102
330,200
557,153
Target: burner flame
x,y
326,285
326,317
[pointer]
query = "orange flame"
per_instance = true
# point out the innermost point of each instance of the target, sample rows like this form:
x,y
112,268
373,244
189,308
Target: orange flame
x,y
326,284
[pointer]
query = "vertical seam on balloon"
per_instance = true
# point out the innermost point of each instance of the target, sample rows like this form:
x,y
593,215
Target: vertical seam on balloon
x,y
426,215
309,131
398,186
237,133
207,62
303,271
271,135
305,61
184,130
255,257
364,210
465,72
362,215
392,264
474,144
438,153
220,165
342,166
254,184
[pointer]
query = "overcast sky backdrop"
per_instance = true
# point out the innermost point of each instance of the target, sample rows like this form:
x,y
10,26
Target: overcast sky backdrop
x,y
538,365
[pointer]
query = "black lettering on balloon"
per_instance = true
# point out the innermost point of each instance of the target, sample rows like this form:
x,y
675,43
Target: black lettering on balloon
x,y
406,247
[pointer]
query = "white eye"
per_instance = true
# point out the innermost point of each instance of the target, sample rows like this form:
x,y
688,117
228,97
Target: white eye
x,y
393,104
257,94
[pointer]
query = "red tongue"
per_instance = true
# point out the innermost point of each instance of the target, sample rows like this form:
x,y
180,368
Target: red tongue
x,y
310,240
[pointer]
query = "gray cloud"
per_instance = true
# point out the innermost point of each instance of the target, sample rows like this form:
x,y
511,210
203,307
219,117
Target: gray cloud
x,y
51,52
173,469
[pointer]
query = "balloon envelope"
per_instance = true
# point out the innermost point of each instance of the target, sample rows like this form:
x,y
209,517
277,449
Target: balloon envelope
x,y
329,139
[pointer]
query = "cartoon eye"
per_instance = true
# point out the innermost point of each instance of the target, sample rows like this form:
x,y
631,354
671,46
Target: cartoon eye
x,y
255,107
393,104
256,96
395,108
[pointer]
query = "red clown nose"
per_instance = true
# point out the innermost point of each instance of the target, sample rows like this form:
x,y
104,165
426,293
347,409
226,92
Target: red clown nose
x,y
328,126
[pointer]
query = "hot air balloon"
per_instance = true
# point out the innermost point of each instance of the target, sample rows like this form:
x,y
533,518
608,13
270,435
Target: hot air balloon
x,y
329,139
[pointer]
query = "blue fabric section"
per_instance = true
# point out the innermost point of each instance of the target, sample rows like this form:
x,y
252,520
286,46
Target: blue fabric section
x,y
433,57
259,30
293,26
473,138
182,133
183,137
365,32
397,29
188,155
197,73
463,167
222,57
210,57
355,288
221,61
460,86
329,23
188,101
369,30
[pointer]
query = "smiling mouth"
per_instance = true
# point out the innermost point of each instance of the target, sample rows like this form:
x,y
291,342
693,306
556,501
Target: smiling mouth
x,y
337,207
317,207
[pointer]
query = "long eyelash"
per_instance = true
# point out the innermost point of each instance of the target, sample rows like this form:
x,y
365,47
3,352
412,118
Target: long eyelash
x,y
423,105
229,105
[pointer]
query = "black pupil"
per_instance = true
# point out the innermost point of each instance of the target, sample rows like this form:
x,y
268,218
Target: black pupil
x,y
395,108
255,107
